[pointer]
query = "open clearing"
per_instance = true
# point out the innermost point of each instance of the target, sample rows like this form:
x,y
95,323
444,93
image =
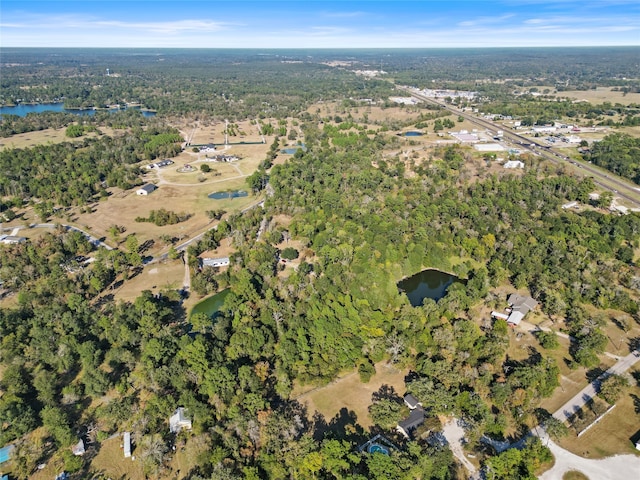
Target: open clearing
x,y
42,137
614,433
111,463
601,95
350,393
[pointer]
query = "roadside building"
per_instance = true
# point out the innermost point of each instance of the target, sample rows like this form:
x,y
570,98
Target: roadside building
x,y
215,262
489,147
12,239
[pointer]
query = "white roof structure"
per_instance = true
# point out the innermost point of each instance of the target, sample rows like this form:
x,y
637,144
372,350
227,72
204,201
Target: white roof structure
x,y
11,239
146,189
514,164
78,448
489,147
520,306
215,262
127,444
179,421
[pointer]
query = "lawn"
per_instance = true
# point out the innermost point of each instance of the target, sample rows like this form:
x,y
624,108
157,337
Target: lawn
x,y
350,393
40,137
111,463
613,434
601,95
159,276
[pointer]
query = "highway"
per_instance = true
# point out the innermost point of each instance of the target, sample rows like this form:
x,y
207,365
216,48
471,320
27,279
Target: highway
x,y
608,181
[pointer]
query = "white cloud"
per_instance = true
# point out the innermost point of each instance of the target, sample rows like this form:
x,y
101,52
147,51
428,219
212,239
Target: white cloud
x,y
486,20
168,27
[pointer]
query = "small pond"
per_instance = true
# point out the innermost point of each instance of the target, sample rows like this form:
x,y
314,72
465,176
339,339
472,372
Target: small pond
x,y
426,284
412,134
293,150
230,194
210,305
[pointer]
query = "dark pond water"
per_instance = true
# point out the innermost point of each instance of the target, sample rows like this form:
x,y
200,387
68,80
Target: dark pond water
x,y
212,304
233,194
426,284
413,134
23,109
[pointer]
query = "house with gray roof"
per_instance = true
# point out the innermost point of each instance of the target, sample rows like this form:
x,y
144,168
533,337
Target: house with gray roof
x,y
520,306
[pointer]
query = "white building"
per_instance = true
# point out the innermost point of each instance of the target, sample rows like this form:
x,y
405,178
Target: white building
x,y
146,189
215,262
179,421
514,164
11,239
126,444
489,147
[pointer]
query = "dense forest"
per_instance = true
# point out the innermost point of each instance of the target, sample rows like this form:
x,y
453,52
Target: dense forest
x,y
618,153
72,173
75,362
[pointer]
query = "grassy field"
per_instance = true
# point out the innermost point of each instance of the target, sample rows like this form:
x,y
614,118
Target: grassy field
x,y
111,463
41,137
613,434
157,277
350,393
601,95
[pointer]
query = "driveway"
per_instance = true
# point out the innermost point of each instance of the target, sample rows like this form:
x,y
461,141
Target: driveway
x,y
589,392
619,467
454,434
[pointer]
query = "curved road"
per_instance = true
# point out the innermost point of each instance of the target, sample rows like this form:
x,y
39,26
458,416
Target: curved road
x,y
93,240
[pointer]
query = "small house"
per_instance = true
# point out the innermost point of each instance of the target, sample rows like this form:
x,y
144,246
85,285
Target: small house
x,y
12,239
146,189
413,421
126,444
78,449
520,306
411,401
514,164
179,421
215,262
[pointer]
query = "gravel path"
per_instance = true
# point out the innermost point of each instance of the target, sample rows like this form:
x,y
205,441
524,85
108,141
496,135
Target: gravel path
x,y
619,467
454,434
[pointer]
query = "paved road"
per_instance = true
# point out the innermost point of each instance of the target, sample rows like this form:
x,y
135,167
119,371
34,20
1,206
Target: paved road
x,y
95,241
623,188
589,392
183,246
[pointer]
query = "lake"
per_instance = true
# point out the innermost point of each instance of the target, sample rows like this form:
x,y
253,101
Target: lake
x,y
23,109
413,134
211,305
428,283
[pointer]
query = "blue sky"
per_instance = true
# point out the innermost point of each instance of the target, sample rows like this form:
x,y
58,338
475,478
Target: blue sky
x,y
318,24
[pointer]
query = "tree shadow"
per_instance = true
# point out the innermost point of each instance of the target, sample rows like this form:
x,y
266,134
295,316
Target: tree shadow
x,y
386,392
345,426
594,373
636,403
319,426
